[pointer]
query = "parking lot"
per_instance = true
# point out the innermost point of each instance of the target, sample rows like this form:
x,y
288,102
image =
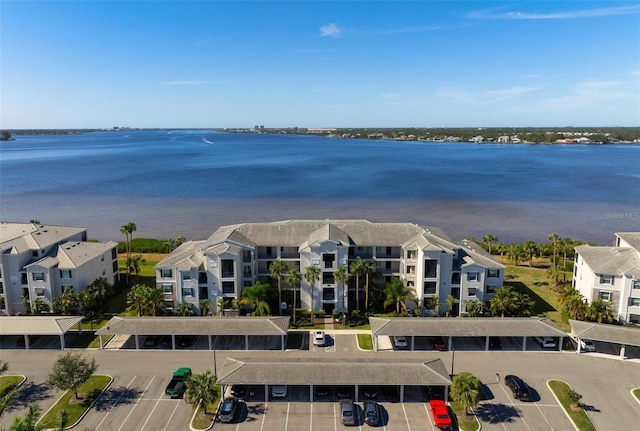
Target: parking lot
x,y
195,342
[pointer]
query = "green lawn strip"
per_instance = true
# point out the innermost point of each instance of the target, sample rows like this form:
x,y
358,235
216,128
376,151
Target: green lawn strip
x,y
471,424
202,421
90,391
579,416
294,340
366,327
365,342
89,340
636,393
9,383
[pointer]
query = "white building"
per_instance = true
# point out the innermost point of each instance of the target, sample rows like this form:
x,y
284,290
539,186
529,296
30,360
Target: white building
x,y
238,256
611,274
40,261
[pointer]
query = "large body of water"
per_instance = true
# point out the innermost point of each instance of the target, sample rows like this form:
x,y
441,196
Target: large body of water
x,y
187,183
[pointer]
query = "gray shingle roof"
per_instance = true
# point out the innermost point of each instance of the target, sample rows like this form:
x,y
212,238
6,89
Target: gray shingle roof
x,y
196,326
611,260
465,326
632,238
37,325
603,332
75,253
322,371
25,236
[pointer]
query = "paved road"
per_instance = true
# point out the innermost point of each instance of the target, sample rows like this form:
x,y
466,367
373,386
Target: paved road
x,y
604,383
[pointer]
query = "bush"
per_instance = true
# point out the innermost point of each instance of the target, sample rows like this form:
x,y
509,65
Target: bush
x,y
144,245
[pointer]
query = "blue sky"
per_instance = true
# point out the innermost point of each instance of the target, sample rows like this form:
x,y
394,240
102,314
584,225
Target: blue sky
x,y
86,64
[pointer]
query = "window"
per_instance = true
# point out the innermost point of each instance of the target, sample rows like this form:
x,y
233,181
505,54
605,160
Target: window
x,y
228,287
1,288
493,273
636,284
167,289
166,273
411,284
23,278
328,294
34,253
411,270
186,275
102,258
114,253
39,292
114,266
65,273
430,268
429,288
635,302
491,288
187,291
605,295
473,276
411,254
168,305
104,272
328,260
327,278
471,291
38,276
606,279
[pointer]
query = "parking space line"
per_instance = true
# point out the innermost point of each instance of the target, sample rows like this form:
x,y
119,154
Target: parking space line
x,y
170,417
286,422
136,404
514,405
116,403
429,415
495,412
266,403
335,419
150,414
311,418
405,417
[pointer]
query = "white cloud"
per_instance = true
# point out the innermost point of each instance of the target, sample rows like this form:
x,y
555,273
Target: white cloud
x,y
331,30
585,13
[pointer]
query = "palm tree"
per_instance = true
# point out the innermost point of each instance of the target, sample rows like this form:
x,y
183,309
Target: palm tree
x,y
278,269
503,300
101,288
128,229
66,301
29,422
572,301
451,301
369,268
465,389
205,305
554,239
529,248
153,300
184,309
38,306
311,275
357,268
514,253
256,296
342,275
474,307
396,293
524,305
600,311
134,264
169,244
201,389
293,278
489,239
136,298
178,242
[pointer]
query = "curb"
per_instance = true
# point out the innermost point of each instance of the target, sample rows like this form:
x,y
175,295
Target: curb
x,y
563,409
85,412
633,395
195,412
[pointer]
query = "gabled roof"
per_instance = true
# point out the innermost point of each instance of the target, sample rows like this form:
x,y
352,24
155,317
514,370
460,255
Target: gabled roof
x,y
45,262
631,238
478,255
37,325
611,260
328,232
195,326
604,332
465,326
334,371
184,252
29,236
74,253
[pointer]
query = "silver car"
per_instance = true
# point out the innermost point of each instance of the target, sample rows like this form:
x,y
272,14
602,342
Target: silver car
x,y
347,412
228,409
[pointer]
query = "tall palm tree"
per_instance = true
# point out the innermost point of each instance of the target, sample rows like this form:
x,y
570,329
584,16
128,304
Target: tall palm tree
x,y
135,262
489,239
396,293
293,278
451,301
184,309
256,296
600,311
311,275
128,229
67,301
524,305
278,269
342,276
201,389
153,300
529,247
504,300
102,289
369,268
205,305
572,301
554,240
357,268
465,389
136,298
29,422
514,253
474,307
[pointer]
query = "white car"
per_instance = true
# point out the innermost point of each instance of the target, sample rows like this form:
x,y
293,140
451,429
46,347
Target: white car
x,y
279,391
318,338
587,346
400,342
546,342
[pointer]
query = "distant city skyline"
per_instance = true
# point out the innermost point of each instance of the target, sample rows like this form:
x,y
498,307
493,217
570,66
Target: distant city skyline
x,y
319,64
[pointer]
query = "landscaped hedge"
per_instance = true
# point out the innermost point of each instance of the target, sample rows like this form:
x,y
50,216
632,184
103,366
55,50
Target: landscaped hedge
x,y
144,245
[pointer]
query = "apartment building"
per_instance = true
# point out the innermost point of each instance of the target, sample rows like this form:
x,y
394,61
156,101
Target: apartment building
x,y
237,256
612,274
40,261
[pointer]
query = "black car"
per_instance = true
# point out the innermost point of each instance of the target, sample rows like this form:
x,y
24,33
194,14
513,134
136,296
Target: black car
x,y
518,387
239,391
321,391
495,343
371,413
344,392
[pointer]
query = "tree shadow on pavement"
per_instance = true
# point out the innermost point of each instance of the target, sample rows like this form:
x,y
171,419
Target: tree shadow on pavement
x,y
114,396
30,393
496,413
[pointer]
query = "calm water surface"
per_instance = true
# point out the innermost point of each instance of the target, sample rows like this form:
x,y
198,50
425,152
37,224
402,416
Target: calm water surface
x,y
190,182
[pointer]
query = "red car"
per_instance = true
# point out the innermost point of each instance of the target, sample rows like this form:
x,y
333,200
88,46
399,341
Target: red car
x,y
440,414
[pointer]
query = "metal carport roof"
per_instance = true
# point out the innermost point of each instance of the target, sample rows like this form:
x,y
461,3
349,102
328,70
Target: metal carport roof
x,y
322,371
465,326
195,326
37,325
606,333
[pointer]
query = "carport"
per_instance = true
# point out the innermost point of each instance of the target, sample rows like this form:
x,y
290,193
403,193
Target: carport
x,y
449,327
335,372
619,335
185,326
28,326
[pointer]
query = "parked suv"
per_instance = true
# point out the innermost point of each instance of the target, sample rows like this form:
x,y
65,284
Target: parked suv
x,y
546,342
518,387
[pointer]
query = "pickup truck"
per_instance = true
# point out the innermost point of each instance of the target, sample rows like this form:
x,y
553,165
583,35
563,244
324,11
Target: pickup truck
x,y
176,386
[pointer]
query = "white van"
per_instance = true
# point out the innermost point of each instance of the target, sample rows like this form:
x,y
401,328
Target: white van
x,y
546,342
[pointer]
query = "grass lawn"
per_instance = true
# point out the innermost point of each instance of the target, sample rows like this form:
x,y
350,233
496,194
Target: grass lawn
x,y
578,415
294,340
471,424
636,393
203,421
73,410
89,340
365,342
8,383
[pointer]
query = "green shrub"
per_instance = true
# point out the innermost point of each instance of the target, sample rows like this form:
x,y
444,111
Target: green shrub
x,y
144,245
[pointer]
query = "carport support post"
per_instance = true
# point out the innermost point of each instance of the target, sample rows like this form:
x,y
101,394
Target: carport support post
x,y
246,342
357,397
311,392
282,345
26,342
402,393
210,345
137,341
266,392
560,343
61,341
486,343
101,343
412,342
375,343
524,343
173,341
622,351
